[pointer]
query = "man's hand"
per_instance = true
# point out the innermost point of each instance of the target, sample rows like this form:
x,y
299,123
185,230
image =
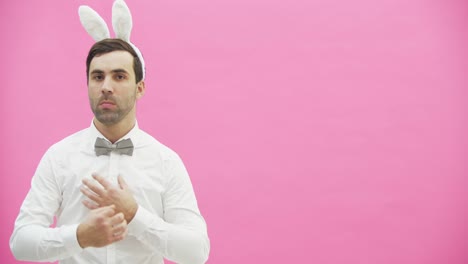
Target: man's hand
x,y
101,227
108,194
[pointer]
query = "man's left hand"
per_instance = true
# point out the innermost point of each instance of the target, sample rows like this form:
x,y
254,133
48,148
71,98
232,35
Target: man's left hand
x,y
108,194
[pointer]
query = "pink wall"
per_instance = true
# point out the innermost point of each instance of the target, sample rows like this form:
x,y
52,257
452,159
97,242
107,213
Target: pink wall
x,y
315,131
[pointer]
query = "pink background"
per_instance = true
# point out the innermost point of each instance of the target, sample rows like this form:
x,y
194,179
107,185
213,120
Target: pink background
x,y
315,131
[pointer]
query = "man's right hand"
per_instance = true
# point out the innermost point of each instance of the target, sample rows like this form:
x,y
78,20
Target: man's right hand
x,y
101,227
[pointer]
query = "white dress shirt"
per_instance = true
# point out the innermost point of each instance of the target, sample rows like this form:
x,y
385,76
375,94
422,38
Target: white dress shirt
x,y
168,223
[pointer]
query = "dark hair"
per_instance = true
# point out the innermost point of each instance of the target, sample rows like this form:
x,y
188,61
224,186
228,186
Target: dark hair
x,y
109,45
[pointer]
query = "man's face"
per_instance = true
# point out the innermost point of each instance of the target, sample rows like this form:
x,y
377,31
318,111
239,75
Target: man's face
x,y
112,89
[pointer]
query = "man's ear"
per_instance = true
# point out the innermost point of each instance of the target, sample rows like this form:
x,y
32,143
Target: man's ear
x,y
140,89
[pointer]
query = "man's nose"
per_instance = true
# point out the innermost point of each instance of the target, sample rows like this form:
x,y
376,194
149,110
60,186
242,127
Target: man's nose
x,y
107,85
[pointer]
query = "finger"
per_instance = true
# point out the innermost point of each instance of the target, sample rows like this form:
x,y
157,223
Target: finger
x,y
89,205
119,228
90,194
120,236
94,187
108,211
105,183
123,185
117,219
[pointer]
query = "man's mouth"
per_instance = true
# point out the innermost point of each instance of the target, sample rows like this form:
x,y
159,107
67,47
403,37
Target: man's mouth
x,y
106,104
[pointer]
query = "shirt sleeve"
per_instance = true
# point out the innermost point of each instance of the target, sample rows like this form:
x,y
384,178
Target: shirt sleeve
x,y
181,234
33,239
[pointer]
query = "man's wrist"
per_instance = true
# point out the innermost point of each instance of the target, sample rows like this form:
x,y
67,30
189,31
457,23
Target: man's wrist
x,y
131,214
81,237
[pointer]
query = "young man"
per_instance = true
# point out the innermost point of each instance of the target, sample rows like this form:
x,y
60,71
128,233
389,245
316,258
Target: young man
x,y
118,194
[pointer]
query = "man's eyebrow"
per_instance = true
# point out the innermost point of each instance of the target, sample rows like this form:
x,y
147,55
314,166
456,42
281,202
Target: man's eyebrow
x,y
119,71
96,72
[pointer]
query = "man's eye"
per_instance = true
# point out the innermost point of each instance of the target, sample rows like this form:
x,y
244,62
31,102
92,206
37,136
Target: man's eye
x,y
97,77
120,77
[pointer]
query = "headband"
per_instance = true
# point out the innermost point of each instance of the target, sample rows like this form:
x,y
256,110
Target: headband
x,y
121,22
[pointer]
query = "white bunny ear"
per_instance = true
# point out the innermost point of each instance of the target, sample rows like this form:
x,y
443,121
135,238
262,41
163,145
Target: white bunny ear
x,y
121,20
93,23
140,56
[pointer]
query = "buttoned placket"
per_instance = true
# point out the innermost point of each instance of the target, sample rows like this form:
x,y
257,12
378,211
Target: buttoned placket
x,y
112,174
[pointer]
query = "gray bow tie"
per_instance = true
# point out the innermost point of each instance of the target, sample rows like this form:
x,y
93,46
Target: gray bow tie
x,y
104,147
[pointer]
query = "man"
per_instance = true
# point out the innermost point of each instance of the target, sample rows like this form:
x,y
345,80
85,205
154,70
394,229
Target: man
x,y
119,195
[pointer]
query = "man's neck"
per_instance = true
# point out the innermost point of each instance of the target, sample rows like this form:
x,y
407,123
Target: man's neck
x,y
114,132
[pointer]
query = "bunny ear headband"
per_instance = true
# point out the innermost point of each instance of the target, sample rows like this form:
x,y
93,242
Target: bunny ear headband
x,y
121,22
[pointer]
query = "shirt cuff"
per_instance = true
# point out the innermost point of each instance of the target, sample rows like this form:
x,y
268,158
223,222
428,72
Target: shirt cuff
x,y
70,239
142,220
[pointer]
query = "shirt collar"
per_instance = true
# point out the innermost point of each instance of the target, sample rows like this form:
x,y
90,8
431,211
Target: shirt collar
x,y
93,133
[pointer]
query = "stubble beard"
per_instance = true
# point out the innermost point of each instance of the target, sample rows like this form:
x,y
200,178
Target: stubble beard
x,y
110,117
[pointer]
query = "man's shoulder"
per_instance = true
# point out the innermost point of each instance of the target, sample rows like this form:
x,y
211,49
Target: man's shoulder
x,y
70,142
154,146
